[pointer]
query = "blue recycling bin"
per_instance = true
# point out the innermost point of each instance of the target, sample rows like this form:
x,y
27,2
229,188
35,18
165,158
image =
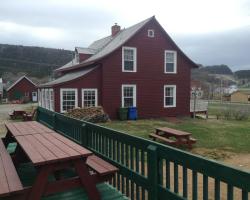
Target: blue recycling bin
x,y
132,113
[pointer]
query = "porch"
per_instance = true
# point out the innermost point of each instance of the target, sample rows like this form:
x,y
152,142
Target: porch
x,y
149,170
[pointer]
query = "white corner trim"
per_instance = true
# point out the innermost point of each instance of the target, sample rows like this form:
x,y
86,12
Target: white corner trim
x,y
175,61
135,58
174,93
61,95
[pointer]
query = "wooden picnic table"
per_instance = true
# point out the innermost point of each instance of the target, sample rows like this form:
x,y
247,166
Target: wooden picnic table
x,y
50,153
180,137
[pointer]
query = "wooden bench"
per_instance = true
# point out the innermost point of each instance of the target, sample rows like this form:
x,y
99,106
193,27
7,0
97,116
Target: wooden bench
x,y
16,114
9,180
166,140
102,169
29,116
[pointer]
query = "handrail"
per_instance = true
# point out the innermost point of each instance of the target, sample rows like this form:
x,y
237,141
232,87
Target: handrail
x,y
150,170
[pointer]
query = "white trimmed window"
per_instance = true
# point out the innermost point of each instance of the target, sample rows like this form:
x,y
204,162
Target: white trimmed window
x,y
169,96
43,98
128,95
128,59
39,98
151,33
89,97
51,99
68,99
170,66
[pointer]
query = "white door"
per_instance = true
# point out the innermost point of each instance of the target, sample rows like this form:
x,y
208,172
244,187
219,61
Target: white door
x,y
34,96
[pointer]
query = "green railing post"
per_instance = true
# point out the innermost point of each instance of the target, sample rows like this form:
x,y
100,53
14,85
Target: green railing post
x,y
152,172
37,114
84,135
54,121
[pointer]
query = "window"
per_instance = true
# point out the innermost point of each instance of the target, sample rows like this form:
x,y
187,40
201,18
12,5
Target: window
x,y
39,98
169,96
51,99
43,98
151,33
170,62
128,59
47,100
68,99
128,95
89,97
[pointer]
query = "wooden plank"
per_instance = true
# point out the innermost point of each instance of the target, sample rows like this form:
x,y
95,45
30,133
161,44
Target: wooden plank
x,y
173,131
100,166
81,150
62,146
49,145
153,135
11,177
41,149
4,188
12,129
34,156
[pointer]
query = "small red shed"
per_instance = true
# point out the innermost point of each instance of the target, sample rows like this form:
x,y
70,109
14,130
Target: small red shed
x,y
23,90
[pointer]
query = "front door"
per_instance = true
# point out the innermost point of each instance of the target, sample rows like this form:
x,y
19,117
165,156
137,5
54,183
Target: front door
x,y
34,96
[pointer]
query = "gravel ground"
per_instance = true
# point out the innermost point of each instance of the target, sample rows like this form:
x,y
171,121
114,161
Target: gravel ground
x,y
6,108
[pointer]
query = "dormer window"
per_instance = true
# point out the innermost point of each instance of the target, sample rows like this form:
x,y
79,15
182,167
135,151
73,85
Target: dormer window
x,y
151,33
170,62
129,59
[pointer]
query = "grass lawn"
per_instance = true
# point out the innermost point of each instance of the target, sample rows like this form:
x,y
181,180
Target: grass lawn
x,y
229,135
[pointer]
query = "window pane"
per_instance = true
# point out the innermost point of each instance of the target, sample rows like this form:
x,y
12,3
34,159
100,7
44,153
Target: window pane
x,y
169,101
89,98
128,102
170,57
169,67
129,65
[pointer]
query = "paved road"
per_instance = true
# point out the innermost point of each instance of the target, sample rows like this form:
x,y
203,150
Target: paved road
x,y
6,108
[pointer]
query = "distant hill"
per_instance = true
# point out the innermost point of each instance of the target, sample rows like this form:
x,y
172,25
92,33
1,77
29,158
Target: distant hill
x,y
242,74
217,69
36,62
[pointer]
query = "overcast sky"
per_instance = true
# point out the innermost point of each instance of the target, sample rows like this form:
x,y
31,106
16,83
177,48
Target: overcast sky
x,y
209,31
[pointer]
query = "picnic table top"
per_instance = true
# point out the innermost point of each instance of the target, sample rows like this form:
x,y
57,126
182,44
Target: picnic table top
x,y
27,128
50,147
173,132
43,145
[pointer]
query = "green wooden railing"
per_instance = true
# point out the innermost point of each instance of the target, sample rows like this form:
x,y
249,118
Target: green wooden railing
x,y
149,170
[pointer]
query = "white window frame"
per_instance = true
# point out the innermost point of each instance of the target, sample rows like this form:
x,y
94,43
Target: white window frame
x,y
175,61
135,59
174,96
51,101
61,97
134,93
43,98
39,97
151,33
90,89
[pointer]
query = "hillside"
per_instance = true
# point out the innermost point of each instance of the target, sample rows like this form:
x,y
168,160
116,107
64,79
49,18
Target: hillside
x,y
36,62
217,69
243,74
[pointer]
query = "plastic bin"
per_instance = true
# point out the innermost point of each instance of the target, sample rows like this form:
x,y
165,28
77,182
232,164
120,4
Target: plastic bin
x,y
132,113
123,113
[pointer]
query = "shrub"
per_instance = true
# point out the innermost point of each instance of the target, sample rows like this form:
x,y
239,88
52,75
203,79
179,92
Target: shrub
x,y
227,113
240,115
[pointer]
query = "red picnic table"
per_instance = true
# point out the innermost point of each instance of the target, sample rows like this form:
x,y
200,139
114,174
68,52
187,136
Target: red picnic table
x,y
50,153
180,137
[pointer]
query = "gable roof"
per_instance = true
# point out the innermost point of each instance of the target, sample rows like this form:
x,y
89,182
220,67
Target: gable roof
x,y
109,44
69,77
20,79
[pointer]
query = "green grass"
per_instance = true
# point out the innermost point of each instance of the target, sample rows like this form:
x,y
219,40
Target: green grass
x,y
226,135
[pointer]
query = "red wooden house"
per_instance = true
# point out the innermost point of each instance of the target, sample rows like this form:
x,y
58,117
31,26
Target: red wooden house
x,y
138,66
23,90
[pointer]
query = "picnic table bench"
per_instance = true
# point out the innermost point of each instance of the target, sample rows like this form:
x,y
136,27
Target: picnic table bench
x,y
16,114
173,137
50,153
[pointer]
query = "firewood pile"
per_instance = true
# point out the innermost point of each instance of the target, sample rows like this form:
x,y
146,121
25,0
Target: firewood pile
x,y
91,114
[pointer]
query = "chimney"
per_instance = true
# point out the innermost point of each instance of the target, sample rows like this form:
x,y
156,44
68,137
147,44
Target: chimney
x,y
115,29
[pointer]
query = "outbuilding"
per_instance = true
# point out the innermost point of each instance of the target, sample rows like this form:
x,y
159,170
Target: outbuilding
x,y
23,90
